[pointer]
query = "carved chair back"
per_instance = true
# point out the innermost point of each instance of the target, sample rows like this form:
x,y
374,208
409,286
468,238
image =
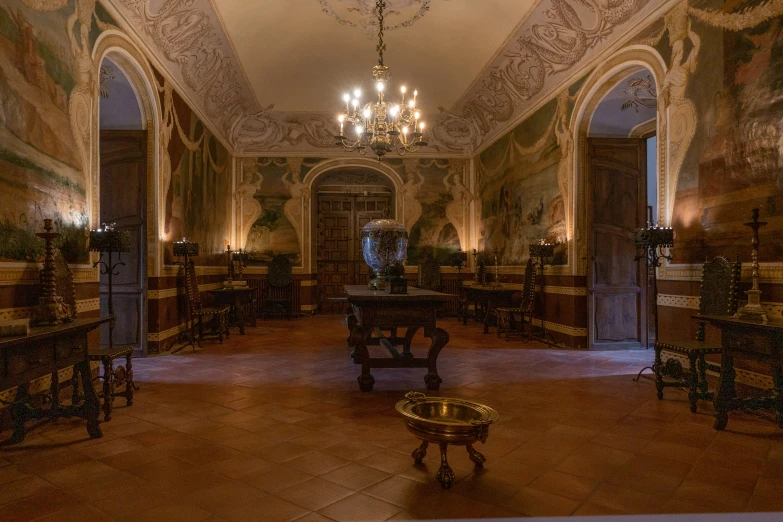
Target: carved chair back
x,y
429,274
529,287
64,280
280,272
719,289
191,287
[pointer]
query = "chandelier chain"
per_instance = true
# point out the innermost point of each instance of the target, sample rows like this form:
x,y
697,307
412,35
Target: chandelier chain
x,y
381,7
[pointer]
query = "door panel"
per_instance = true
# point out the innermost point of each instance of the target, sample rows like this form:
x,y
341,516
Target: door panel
x,y
616,208
123,196
340,260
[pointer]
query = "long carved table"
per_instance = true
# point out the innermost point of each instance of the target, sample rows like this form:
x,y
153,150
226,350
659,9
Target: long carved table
x,y
44,351
375,313
491,297
745,339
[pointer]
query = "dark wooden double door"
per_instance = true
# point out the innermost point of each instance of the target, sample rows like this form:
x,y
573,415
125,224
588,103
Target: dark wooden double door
x,y
616,209
340,260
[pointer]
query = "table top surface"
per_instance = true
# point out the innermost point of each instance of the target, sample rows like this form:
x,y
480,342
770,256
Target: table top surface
x,y
362,293
228,290
39,333
729,320
504,287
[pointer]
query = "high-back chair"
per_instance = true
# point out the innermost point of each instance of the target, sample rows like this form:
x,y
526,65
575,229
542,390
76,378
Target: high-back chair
x,y
507,317
718,296
429,274
278,293
198,313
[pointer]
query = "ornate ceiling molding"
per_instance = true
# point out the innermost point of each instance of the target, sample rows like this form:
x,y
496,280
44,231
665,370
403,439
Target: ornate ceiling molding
x,y
367,18
557,39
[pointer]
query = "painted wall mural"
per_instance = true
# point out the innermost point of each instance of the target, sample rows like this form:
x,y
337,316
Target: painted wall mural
x,y
523,181
737,158
195,179
46,81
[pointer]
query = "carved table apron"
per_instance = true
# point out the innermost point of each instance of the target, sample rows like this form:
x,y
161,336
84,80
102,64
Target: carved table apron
x,y
377,312
747,340
492,297
44,351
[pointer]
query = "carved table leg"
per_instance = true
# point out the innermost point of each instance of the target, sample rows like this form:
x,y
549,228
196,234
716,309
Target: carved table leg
x,y
108,387
359,339
351,321
693,377
703,385
477,458
420,452
406,356
439,338
92,406
239,314
658,369
75,386
445,474
19,413
726,392
777,379
486,315
130,386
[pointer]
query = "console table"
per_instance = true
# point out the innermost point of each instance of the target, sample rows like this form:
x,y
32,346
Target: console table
x,y
491,297
377,312
44,351
239,299
747,340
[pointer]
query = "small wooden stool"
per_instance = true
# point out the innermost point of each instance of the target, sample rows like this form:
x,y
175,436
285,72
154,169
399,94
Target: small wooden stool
x,y
114,377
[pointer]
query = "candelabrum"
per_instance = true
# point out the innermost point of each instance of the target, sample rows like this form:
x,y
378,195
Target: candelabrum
x,y
107,240
496,283
51,308
753,309
186,249
239,263
650,244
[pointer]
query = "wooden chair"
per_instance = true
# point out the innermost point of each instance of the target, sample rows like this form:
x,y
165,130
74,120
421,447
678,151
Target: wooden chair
x,y
718,296
217,315
429,274
278,293
507,317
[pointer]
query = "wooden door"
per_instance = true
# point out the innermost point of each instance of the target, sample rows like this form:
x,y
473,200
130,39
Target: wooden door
x,y
123,193
339,254
616,208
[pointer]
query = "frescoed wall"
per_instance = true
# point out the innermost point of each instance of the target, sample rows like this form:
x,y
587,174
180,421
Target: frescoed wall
x,y
45,75
196,181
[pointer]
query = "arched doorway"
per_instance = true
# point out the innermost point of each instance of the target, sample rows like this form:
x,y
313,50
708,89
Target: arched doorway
x,y
123,194
345,199
617,174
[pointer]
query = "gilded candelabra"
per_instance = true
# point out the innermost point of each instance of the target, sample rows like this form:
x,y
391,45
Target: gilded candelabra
x,y
381,126
108,240
753,309
650,244
51,308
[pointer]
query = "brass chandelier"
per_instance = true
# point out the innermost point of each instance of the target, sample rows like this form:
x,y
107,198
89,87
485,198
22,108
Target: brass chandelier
x,y
380,125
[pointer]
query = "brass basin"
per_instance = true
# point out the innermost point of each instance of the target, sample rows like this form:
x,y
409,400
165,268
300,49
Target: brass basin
x,y
445,421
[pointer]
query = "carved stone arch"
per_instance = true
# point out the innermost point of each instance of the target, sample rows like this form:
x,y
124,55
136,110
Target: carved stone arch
x,y
116,46
332,164
603,79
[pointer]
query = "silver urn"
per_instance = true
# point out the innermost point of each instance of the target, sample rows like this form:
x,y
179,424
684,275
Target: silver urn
x,y
384,241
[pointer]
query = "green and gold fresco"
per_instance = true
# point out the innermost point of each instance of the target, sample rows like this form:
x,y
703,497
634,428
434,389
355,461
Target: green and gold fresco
x,y
41,170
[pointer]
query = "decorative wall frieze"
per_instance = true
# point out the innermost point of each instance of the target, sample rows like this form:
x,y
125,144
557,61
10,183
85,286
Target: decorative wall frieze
x,y
565,290
679,301
43,384
165,334
562,328
176,270
768,272
308,282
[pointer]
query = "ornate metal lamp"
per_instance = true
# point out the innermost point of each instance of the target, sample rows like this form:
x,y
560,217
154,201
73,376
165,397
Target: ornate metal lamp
x,y
108,240
381,126
51,308
650,244
185,249
753,309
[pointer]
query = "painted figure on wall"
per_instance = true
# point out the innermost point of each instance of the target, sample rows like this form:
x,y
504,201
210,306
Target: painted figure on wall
x,y
457,210
409,192
250,207
300,196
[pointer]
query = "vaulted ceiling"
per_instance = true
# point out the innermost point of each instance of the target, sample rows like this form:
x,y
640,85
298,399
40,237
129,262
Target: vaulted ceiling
x,y
269,74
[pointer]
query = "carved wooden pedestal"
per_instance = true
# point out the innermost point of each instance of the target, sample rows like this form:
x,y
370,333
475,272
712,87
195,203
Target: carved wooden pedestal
x,y
375,320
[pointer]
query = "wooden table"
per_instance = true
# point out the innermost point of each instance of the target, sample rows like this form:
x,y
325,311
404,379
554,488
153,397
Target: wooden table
x,y
746,339
45,351
492,297
237,298
377,312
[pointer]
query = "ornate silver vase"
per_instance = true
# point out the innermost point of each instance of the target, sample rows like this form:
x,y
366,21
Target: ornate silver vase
x,y
384,241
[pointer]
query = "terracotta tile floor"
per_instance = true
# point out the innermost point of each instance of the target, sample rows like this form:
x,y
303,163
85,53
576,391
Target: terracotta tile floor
x,y
272,426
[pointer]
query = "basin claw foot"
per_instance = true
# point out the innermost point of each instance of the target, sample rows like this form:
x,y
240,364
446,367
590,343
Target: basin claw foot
x,y
477,458
445,474
420,452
